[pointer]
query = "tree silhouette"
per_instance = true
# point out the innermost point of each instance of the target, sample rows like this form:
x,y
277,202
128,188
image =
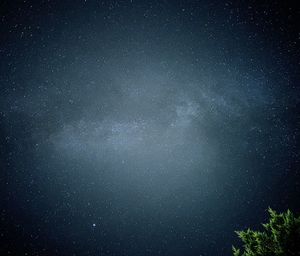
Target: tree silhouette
x,y
281,237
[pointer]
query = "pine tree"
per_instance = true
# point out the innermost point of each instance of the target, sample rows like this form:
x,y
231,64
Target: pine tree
x,y
280,237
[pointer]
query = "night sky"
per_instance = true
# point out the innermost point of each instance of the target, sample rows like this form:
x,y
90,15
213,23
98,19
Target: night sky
x,y
145,128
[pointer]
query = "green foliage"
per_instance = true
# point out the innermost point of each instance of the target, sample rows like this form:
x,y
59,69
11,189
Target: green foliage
x,y
281,237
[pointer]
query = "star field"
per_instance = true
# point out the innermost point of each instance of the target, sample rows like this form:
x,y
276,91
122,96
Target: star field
x,y
145,127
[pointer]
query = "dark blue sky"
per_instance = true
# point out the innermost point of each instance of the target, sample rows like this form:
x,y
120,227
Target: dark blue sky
x,y
145,127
